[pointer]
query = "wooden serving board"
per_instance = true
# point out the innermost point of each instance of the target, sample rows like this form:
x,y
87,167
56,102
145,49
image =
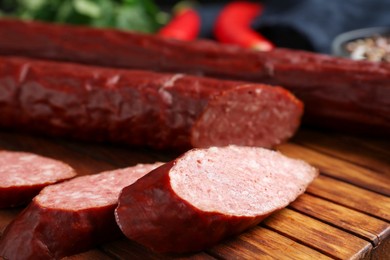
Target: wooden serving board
x,y
344,214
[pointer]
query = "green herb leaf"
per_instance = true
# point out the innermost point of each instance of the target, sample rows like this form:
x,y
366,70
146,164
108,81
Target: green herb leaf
x,y
87,8
33,4
135,15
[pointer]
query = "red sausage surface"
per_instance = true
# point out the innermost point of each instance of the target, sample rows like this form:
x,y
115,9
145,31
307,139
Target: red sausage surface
x,y
338,93
69,217
23,175
142,108
207,195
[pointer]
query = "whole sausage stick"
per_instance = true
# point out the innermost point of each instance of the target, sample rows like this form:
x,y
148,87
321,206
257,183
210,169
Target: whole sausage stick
x,y
142,108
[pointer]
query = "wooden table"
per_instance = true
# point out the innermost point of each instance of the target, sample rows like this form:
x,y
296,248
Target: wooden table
x,y
345,213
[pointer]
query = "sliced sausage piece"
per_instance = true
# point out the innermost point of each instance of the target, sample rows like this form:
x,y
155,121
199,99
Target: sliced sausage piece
x,y
23,175
207,195
70,217
338,93
142,108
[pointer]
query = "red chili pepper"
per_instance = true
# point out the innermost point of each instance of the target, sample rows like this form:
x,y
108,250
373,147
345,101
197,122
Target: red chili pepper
x,y
185,26
233,26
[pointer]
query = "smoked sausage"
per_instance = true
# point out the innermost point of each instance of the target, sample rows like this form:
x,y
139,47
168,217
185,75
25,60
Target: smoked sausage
x,y
142,108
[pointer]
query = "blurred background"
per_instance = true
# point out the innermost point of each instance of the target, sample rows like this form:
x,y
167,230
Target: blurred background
x,y
299,24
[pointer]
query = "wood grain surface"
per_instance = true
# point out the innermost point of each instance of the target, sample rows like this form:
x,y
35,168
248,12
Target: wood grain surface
x,y
344,214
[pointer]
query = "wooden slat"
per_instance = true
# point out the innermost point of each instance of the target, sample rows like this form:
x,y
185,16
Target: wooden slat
x,y
263,243
380,144
318,235
370,228
351,196
126,249
362,177
342,147
373,143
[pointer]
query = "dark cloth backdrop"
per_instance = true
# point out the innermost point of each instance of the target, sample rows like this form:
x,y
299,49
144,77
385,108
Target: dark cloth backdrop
x,y
308,24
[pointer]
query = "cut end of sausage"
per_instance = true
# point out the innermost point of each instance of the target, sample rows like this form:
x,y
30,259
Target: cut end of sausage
x,y
252,115
100,189
239,181
20,169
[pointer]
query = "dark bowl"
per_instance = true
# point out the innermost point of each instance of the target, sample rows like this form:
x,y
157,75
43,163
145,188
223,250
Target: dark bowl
x,y
340,42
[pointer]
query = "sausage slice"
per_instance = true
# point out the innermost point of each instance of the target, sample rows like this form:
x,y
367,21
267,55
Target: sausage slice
x,y
23,175
70,217
207,195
